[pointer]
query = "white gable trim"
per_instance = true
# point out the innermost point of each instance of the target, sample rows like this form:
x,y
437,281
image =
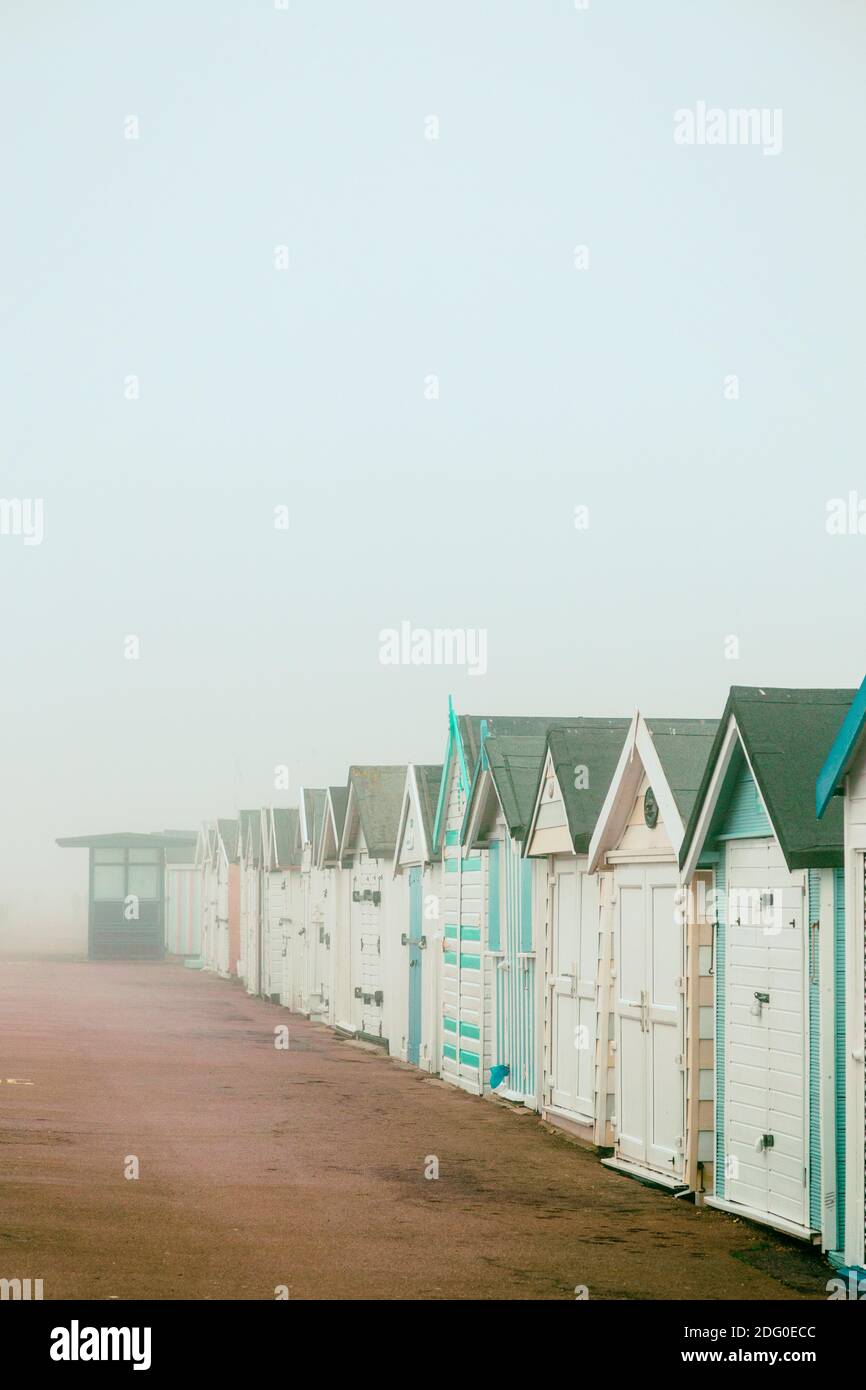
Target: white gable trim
x,y
484,787
624,788
411,798
705,816
352,843
548,766
329,835
529,847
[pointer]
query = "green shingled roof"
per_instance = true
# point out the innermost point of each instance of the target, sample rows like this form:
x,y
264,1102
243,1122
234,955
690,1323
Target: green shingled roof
x,y
684,747
514,761
286,823
339,800
596,745
786,735
379,797
428,777
314,814
228,832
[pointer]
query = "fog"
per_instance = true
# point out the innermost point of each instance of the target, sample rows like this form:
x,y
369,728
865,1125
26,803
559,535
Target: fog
x,y
298,347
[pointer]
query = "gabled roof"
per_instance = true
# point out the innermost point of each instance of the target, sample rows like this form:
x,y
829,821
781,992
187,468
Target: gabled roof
x,y
421,789
228,835
312,809
594,744
842,752
334,818
673,754
462,747
507,771
466,733
428,776
250,841
204,842
286,839
375,799
683,747
785,735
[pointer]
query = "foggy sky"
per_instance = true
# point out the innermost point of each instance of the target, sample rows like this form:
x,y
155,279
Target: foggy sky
x,y
408,257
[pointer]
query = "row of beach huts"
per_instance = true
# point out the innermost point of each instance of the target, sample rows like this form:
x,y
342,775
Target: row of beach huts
x,y
650,931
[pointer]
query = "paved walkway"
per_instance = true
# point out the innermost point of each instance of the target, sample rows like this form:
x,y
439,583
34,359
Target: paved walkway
x,y
306,1168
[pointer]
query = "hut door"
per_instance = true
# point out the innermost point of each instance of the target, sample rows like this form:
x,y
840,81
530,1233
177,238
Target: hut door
x,y
413,1041
571,993
765,1026
648,957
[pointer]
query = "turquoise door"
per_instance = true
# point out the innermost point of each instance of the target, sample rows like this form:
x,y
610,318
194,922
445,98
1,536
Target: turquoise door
x,y
515,977
413,1043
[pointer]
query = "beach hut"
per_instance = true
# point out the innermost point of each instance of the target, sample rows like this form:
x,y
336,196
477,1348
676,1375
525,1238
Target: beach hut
x,y
367,851
843,777
226,867
204,858
183,901
481,1003
249,967
320,964
336,894
280,864
575,773
126,898
415,979
657,955
778,911
497,816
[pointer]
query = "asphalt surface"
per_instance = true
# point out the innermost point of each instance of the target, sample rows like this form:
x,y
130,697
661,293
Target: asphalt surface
x,y
261,1168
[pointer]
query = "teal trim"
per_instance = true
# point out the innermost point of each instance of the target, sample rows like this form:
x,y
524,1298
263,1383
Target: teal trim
x,y
708,859
450,957
470,1030
452,837
720,965
469,962
451,931
526,905
473,865
842,751
441,800
458,742
470,933
450,1025
469,1059
840,1040
449,1051
814,1024
493,925
745,816
451,866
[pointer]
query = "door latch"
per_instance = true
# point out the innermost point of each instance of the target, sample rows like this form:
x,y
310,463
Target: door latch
x,y
762,997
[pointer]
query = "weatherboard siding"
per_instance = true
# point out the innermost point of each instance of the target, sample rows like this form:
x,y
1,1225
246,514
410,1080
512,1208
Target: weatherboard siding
x,y
745,817
467,994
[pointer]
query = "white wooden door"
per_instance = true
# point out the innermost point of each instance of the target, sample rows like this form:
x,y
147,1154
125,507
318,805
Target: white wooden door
x,y
367,943
765,1044
648,961
272,916
571,987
